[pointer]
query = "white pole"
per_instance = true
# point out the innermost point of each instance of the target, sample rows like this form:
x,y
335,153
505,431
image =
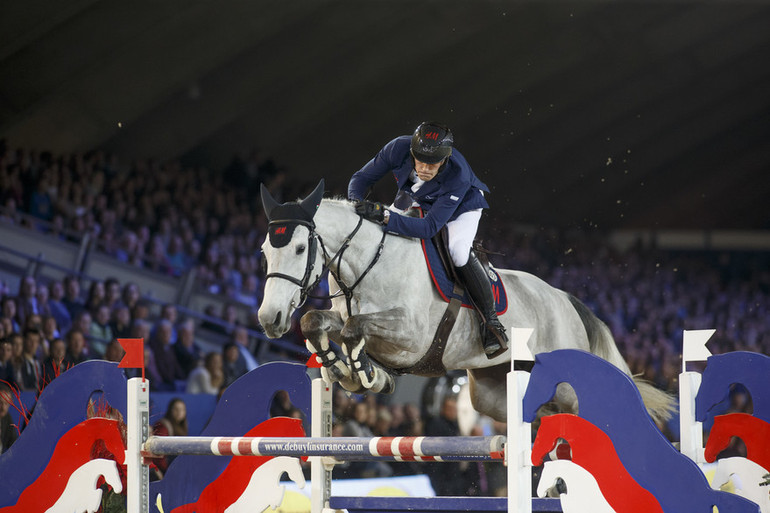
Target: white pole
x,y
320,426
690,431
518,450
138,429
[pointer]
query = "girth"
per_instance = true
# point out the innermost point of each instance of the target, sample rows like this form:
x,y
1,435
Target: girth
x,y
431,364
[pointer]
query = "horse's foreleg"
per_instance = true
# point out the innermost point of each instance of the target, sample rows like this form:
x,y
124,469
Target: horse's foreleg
x,y
353,337
316,326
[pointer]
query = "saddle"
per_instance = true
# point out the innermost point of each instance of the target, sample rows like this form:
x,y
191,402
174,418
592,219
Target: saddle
x,y
446,280
451,289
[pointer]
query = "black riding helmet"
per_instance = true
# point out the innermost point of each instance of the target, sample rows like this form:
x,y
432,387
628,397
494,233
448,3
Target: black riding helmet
x,y
432,142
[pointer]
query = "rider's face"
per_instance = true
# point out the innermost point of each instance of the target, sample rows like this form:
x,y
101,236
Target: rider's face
x,y
426,172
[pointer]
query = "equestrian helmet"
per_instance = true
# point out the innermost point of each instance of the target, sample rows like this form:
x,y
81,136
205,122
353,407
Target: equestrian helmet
x,y
431,142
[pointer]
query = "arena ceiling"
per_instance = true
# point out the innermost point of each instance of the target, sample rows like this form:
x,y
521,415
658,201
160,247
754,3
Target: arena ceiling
x,y
578,113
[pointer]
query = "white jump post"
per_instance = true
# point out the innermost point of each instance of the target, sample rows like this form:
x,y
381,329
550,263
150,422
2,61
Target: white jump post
x,y
518,448
690,430
138,430
320,426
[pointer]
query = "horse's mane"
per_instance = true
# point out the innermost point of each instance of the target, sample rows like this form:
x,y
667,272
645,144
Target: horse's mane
x,y
338,200
338,204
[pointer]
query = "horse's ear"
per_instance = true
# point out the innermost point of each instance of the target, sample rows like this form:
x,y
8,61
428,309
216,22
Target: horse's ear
x,y
268,203
311,203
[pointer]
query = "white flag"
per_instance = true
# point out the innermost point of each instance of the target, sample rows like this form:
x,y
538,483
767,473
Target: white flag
x,y
694,345
521,350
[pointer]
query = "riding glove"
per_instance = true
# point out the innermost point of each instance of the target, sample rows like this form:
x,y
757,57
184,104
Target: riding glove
x,y
371,210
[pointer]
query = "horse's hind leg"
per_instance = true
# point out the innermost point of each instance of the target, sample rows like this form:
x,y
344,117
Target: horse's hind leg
x,y
488,387
489,392
316,326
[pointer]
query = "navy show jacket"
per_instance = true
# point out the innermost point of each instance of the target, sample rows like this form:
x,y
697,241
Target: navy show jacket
x,y
453,191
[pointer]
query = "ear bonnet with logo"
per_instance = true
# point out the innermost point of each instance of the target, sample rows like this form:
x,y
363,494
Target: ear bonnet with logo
x,y
283,218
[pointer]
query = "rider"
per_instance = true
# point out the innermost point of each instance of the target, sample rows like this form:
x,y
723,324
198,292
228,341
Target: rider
x,y
433,176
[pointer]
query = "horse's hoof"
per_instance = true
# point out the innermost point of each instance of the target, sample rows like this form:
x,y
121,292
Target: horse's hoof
x,y
327,376
390,385
335,374
352,386
338,370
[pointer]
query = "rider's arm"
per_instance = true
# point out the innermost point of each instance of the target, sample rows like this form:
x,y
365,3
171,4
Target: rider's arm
x,y
428,226
387,159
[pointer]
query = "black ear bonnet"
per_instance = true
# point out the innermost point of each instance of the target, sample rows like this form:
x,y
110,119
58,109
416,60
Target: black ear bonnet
x,y
285,217
280,233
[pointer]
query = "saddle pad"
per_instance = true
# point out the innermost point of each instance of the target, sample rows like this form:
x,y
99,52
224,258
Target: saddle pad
x,y
444,285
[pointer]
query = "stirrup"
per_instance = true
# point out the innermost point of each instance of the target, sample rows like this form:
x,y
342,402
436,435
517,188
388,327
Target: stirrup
x,y
494,339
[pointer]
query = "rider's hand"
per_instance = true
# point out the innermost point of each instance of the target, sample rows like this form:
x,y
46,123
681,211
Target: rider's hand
x,y
371,210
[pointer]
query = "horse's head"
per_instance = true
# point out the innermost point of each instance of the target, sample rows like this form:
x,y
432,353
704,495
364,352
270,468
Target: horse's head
x,y
290,258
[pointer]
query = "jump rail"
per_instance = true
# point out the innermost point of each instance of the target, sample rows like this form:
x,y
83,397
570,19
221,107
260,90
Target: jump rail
x,y
421,448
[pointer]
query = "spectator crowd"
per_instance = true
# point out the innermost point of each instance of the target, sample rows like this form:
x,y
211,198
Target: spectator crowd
x,y
46,328
160,216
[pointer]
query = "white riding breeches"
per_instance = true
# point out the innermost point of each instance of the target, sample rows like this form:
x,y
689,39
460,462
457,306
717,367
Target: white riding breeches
x,y
462,231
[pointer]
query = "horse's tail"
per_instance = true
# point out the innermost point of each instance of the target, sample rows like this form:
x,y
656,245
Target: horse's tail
x,y
660,405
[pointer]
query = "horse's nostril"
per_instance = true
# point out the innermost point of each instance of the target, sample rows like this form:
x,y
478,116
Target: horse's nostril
x,y
277,319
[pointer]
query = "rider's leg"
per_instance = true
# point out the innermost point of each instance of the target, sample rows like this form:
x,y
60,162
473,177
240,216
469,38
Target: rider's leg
x,y
461,234
478,286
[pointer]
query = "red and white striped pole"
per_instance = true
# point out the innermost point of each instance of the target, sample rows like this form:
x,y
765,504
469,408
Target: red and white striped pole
x,y
406,448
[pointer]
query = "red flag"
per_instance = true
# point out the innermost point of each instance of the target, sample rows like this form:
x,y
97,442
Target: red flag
x,y
313,362
134,358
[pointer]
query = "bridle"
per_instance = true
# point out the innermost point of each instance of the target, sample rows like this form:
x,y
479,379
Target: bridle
x,y
314,239
312,245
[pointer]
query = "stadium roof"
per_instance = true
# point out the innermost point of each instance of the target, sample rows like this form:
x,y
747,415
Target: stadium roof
x,y
577,113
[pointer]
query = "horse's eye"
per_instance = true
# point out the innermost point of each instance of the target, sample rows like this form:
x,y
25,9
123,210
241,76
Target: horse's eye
x,y
300,249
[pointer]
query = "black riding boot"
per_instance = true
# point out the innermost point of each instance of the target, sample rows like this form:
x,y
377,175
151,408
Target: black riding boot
x,y
477,284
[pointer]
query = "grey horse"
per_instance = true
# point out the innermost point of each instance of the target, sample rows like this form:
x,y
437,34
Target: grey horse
x,y
386,310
